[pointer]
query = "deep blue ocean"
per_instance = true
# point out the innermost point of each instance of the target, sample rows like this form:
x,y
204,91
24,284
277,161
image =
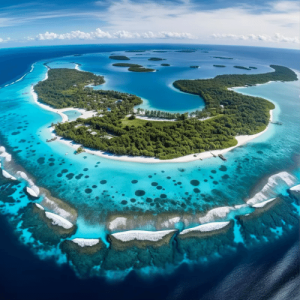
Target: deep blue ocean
x,y
267,272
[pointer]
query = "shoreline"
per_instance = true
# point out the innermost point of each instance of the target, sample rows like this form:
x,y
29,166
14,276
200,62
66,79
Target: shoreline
x,y
243,139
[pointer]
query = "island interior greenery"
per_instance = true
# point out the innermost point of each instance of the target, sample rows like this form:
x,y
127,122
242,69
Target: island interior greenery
x,y
229,114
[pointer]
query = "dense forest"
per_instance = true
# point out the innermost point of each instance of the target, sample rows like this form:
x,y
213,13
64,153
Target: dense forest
x,y
230,114
119,57
156,59
242,68
68,88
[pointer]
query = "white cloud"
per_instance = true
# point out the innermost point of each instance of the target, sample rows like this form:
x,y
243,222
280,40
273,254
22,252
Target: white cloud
x,y
4,40
241,20
121,34
277,38
285,6
184,20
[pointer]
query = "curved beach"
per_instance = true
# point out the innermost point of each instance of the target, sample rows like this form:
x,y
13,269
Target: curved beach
x,y
243,139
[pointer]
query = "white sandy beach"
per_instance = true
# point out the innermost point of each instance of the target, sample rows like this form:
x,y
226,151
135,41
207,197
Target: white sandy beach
x,y
84,113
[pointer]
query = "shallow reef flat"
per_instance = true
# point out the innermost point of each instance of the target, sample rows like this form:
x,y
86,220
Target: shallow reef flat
x,y
84,257
45,227
270,221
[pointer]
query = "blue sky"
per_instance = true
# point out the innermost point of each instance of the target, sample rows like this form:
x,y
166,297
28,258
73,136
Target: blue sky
x,y
232,22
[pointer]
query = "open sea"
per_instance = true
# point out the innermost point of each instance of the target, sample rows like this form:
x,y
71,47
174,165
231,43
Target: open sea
x,y
93,184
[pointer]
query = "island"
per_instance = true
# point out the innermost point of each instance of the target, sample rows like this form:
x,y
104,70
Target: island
x,y
156,59
72,88
242,68
194,67
219,66
222,57
135,51
228,114
134,67
165,65
119,57
186,51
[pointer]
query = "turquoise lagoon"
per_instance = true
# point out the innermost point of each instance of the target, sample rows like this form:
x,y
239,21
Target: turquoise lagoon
x,y
98,186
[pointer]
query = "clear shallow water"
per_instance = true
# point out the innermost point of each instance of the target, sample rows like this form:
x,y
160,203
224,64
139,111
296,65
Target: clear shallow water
x,y
72,114
226,185
25,128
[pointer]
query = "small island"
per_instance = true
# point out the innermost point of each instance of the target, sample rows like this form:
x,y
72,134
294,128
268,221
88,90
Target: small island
x,y
229,114
222,57
194,67
219,66
242,68
119,57
156,59
135,51
165,65
254,68
186,51
134,67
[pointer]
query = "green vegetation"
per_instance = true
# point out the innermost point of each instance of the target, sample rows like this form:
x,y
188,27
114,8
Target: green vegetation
x,y
219,66
253,68
134,67
119,57
165,65
155,59
67,88
230,113
186,51
140,69
221,57
80,150
242,68
126,65
194,67
135,51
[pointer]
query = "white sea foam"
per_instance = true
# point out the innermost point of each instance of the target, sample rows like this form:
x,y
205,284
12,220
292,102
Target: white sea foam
x,y
35,189
262,204
85,242
55,208
22,175
205,227
170,222
31,192
141,235
7,175
295,188
31,183
120,221
58,220
216,213
39,206
268,190
4,154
